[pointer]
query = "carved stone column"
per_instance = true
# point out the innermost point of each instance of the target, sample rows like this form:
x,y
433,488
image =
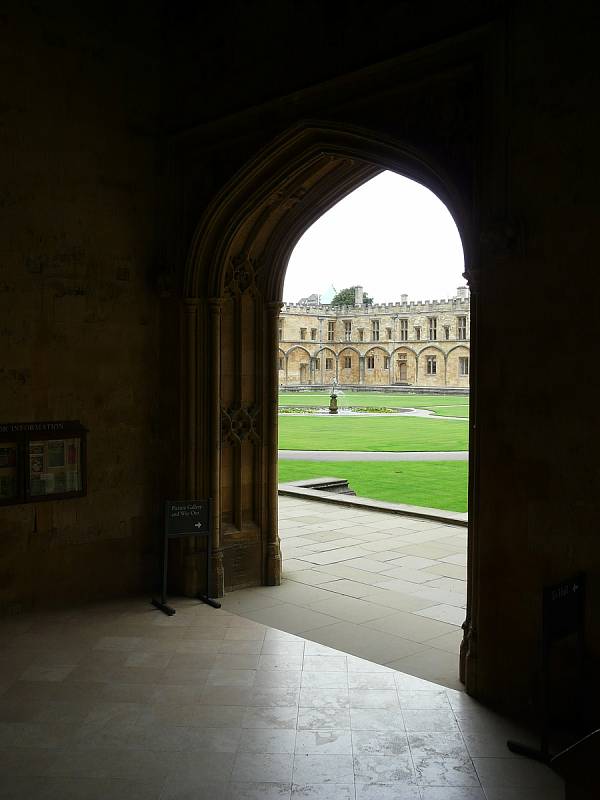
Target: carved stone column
x,y
468,647
361,370
218,573
273,548
186,548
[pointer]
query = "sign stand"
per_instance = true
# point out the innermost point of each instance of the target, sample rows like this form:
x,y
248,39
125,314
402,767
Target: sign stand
x,y
563,616
186,518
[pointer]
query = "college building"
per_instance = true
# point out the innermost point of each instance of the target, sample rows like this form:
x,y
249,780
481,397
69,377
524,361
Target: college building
x,y
421,344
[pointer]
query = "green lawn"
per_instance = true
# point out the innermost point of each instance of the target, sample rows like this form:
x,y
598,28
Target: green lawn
x,y
371,433
437,484
451,411
444,405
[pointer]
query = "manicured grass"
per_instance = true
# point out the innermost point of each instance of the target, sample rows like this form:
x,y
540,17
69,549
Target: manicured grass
x,y
443,404
395,433
437,484
452,411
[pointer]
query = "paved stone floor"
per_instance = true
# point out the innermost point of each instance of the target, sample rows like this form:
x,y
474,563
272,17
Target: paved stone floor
x,y
118,702
384,587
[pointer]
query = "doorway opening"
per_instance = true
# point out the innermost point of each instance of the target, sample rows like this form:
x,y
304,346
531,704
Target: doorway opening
x,y
232,315
355,419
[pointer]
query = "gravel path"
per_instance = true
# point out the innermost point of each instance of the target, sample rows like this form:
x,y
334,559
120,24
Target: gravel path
x,y
361,455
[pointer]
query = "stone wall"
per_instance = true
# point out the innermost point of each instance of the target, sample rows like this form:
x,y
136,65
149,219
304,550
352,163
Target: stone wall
x,y
79,335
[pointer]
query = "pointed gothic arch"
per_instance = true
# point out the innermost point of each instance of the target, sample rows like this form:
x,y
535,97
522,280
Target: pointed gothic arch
x,y
233,288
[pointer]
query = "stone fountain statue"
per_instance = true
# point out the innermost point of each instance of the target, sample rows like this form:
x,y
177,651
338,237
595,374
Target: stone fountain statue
x,y
333,404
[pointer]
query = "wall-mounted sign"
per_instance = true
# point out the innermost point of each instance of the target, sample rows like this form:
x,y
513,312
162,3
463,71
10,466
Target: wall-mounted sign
x,y
564,608
41,461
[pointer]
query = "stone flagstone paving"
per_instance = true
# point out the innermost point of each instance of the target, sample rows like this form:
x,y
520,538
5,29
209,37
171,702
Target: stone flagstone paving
x,y
384,587
119,702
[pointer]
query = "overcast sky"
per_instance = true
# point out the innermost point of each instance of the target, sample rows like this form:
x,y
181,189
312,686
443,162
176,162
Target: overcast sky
x,y
392,236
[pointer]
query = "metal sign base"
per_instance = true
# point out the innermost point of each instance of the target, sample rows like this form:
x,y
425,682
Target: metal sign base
x,y
168,610
209,601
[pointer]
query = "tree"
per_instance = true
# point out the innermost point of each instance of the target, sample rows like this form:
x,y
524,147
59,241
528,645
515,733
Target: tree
x,y
347,297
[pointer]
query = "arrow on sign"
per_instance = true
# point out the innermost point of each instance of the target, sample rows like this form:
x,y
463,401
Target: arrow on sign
x,y
198,525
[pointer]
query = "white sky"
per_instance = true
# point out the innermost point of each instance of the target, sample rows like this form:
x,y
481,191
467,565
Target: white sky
x,y
392,236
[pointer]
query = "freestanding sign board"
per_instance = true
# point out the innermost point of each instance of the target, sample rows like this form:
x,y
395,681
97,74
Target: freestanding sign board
x,y
186,518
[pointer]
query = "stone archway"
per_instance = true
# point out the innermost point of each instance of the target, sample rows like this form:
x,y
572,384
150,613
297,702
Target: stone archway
x,y
234,284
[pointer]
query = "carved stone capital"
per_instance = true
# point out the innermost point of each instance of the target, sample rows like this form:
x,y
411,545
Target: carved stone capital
x,y
501,239
239,423
274,307
287,199
472,275
240,276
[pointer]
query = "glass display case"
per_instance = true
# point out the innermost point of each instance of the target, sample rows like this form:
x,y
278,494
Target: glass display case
x,y
42,461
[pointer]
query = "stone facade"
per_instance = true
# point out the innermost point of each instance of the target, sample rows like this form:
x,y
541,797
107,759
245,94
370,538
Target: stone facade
x,y
421,344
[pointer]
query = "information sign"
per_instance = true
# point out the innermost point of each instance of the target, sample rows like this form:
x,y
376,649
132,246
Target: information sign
x,y
42,461
563,608
186,518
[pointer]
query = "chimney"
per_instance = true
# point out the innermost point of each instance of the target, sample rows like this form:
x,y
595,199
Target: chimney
x,y
462,292
404,298
358,295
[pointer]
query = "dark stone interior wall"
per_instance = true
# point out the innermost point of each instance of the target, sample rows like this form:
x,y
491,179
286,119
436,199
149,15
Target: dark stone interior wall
x,y
539,463
85,334
78,306
520,143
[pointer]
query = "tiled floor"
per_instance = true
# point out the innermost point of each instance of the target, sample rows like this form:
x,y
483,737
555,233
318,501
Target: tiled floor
x,y
384,587
120,702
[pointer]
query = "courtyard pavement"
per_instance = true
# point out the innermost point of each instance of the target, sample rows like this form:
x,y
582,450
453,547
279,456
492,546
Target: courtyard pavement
x,y
384,587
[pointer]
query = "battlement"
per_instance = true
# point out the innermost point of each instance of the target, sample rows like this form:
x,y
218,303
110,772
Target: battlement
x,y
395,307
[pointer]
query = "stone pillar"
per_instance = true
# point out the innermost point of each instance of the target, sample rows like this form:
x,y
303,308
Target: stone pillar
x,y
272,571
361,370
218,573
468,647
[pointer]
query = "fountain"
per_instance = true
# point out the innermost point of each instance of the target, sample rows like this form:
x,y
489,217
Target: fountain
x,y
333,403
